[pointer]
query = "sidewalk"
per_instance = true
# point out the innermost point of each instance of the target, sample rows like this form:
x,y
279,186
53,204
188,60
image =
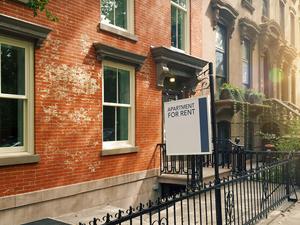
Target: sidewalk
x,y
290,215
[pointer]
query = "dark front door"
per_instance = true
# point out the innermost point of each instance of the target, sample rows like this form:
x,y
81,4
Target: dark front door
x,y
173,90
223,137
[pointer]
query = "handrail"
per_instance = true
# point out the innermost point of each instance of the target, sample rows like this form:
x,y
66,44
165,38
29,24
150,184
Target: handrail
x,y
292,105
282,104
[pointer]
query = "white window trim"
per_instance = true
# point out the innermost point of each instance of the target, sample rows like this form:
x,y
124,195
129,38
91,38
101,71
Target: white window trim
x,y
130,19
109,145
28,148
187,27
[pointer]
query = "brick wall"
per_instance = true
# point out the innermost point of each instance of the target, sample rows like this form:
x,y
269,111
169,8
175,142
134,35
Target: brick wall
x,y
68,102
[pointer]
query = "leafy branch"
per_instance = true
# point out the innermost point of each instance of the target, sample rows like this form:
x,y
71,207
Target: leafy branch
x,y
40,5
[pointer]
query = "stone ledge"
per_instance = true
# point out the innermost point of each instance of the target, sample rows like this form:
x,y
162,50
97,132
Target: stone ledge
x,y
19,200
24,29
17,159
22,1
119,151
118,32
107,52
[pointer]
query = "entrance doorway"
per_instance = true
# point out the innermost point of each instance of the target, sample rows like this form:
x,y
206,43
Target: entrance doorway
x,y
174,89
224,134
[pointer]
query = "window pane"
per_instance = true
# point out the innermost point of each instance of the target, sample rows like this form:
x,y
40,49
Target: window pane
x,y
107,11
181,31
220,81
122,124
246,50
173,26
11,122
246,73
220,70
109,123
124,86
282,16
12,70
110,84
121,13
292,29
182,3
265,10
175,1
220,38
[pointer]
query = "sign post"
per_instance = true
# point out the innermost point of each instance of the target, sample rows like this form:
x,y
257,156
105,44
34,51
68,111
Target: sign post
x,y
216,153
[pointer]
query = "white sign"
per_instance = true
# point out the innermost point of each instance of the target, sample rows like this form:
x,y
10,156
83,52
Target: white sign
x,y
188,126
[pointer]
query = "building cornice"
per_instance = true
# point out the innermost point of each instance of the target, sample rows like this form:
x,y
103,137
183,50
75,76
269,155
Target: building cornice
x,y
24,29
105,52
270,36
248,30
224,13
174,63
246,4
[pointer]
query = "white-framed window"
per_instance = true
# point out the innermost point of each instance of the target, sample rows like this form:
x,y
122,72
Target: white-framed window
x,y
118,14
246,63
16,97
118,114
180,24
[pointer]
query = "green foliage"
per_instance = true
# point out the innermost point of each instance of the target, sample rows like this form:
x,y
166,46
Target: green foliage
x,y
40,5
288,142
243,95
229,87
236,92
256,93
291,141
254,97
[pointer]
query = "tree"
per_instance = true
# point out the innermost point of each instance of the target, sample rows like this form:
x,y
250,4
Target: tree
x,y
41,5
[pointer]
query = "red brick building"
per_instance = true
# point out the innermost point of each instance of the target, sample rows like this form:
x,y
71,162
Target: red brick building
x,y
81,100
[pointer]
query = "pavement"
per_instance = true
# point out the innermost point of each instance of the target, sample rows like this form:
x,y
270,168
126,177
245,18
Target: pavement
x,y
287,214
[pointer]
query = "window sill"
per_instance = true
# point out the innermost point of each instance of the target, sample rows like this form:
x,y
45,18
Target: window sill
x,y
16,159
119,151
118,32
178,50
22,1
246,4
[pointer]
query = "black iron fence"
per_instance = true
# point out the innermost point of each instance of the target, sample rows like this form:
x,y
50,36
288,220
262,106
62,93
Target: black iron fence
x,y
182,165
246,195
231,156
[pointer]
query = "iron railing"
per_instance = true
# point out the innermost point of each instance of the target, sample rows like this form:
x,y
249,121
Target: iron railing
x,y
245,198
232,156
182,165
